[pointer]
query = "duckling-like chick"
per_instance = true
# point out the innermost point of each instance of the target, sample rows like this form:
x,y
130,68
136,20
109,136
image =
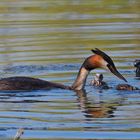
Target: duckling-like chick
x,y
125,87
98,81
137,65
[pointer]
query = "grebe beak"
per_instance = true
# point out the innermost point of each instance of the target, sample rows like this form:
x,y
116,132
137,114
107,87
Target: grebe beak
x,y
110,64
115,72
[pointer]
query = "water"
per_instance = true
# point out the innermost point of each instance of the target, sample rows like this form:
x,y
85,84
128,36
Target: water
x,y
49,40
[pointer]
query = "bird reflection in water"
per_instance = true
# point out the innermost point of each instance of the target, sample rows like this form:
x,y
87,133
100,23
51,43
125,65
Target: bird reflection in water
x,y
96,108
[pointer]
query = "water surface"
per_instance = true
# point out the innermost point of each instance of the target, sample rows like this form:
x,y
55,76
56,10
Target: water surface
x,y
49,40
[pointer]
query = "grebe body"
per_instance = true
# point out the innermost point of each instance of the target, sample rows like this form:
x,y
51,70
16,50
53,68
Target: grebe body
x,y
137,65
99,60
28,83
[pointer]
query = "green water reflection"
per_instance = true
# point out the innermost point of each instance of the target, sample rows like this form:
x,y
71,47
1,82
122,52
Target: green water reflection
x,y
32,30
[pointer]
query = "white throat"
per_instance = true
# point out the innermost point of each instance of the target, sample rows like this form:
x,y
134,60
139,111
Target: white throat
x,y
81,79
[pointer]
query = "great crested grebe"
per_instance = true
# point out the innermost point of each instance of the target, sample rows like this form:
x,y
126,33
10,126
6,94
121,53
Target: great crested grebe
x,y
137,65
99,60
98,82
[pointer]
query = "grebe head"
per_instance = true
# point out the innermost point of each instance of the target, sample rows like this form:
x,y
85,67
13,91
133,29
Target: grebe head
x,y
101,60
99,77
98,80
137,63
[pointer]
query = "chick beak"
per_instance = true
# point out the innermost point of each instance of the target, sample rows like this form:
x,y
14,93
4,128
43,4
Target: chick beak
x,y
115,72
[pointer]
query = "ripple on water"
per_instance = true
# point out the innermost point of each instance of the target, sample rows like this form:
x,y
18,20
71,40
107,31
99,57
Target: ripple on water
x,y
50,40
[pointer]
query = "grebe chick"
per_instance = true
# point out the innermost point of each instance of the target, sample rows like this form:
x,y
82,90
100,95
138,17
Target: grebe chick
x,y
99,60
126,87
137,65
98,81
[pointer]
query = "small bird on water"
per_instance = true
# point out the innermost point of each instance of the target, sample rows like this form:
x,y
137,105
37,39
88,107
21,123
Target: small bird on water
x,y
98,82
137,65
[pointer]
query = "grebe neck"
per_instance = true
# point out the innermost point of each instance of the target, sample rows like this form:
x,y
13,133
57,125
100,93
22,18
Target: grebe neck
x,y
81,79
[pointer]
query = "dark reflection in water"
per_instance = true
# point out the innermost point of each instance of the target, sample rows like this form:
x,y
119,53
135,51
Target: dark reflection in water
x,y
97,109
96,112
90,109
